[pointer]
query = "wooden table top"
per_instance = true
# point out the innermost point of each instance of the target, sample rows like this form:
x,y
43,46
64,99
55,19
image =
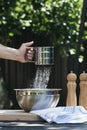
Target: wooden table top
x,y
17,115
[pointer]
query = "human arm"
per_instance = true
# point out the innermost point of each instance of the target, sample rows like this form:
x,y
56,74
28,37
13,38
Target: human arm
x,y
16,54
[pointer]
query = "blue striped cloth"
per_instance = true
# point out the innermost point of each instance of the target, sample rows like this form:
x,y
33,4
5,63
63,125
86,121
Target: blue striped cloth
x,y
71,114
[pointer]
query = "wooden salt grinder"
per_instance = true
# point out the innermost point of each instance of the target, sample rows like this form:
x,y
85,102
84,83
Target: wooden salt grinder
x,y
83,90
71,90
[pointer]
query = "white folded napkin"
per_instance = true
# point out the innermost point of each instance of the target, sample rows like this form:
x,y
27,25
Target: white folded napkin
x,y
71,114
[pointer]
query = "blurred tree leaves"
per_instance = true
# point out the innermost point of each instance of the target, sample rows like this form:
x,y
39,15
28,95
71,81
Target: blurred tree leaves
x,y
58,20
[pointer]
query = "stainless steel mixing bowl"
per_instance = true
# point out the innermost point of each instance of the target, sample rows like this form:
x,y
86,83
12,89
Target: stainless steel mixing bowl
x,y
36,99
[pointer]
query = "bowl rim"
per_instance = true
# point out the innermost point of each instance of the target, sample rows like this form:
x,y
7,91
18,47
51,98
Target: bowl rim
x,y
37,89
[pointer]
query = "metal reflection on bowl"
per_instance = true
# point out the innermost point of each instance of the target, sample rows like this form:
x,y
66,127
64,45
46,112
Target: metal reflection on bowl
x,y
36,99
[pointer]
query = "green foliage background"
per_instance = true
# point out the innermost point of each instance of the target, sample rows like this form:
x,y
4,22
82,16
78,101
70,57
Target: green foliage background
x,y
58,20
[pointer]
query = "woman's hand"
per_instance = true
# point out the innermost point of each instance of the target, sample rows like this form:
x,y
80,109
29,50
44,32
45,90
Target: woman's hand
x,y
25,52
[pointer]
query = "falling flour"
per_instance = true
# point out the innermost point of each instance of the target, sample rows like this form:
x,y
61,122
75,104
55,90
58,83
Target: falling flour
x,y
41,78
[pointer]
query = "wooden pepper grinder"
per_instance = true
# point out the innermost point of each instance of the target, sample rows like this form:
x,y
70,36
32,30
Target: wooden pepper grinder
x,y
71,90
83,90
